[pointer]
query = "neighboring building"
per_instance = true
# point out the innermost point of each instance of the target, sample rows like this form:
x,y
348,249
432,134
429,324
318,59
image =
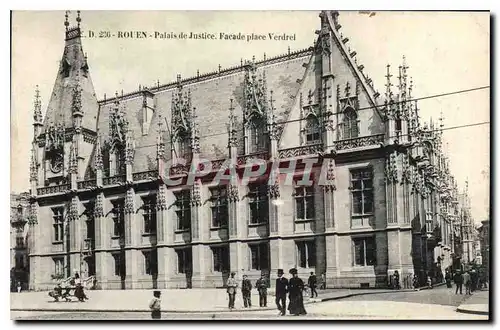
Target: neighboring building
x,y
19,263
484,238
99,169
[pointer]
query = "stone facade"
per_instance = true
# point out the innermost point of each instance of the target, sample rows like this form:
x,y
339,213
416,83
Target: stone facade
x,y
103,204
19,263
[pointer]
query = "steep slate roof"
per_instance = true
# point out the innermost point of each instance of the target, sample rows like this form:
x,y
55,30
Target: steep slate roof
x,y
211,95
73,68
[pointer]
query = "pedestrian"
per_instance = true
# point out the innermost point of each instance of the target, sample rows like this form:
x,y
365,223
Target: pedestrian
x,y
19,286
246,291
396,280
415,282
231,290
261,286
466,282
155,305
458,282
447,278
323,281
312,284
295,288
281,291
429,282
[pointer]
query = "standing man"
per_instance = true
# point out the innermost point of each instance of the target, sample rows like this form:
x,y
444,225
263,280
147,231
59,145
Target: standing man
x,y
323,281
246,290
231,290
466,282
281,291
458,282
312,282
261,286
155,305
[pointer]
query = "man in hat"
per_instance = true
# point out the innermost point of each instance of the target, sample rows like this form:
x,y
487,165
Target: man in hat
x,y
295,288
261,286
281,291
246,291
155,305
312,282
231,289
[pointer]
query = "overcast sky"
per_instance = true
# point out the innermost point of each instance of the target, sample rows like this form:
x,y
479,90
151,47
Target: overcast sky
x,y
446,52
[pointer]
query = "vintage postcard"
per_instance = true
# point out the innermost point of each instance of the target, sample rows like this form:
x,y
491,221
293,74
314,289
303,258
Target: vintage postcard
x,y
250,165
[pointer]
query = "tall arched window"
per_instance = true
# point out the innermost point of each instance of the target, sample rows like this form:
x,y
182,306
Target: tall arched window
x,y
350,124
257,137
312,132
183,144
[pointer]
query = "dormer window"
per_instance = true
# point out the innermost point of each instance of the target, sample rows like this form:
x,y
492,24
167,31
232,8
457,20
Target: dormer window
x,y
183,145
350,123
257,136
312,131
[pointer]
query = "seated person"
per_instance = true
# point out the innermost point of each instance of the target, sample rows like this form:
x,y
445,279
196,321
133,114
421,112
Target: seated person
x,y
56,293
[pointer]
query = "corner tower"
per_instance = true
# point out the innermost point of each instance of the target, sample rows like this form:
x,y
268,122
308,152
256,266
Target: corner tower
x,y
69,128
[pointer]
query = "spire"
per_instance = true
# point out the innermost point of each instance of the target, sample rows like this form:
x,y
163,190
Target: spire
x,y
273,129
98,162
66,22
33,166
160,145
66,99
195,132
37,109
129,148
388,85
73,162
231,126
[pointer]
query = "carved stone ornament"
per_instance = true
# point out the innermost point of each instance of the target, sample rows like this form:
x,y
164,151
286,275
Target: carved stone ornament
x,y
118,128
76,104
129,149
54,145
181,112
33,214
273,191
73,214
196,194
129,202
161,201
255,92
98,161
99,206
73,162
407,174
33,167
324,35
233,194
231,128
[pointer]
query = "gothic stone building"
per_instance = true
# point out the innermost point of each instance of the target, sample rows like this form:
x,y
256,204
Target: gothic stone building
x,y
100,203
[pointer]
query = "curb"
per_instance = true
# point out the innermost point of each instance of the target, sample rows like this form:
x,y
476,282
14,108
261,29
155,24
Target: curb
x,y
67,310
468,311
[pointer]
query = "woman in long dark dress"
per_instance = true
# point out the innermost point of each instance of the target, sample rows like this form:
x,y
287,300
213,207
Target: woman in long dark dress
x,y
295,288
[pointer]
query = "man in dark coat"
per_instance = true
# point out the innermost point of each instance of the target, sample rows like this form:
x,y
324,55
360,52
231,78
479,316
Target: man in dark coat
x,y
246,290
312,282
458,282
281,291
295,288
261,286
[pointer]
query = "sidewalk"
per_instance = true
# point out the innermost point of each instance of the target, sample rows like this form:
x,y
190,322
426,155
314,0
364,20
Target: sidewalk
x,y
173,301
477,303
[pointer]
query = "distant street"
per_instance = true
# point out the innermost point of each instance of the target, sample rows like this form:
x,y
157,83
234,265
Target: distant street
x,y
436,304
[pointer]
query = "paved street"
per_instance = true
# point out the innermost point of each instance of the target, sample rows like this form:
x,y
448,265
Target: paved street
x,y
437,304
